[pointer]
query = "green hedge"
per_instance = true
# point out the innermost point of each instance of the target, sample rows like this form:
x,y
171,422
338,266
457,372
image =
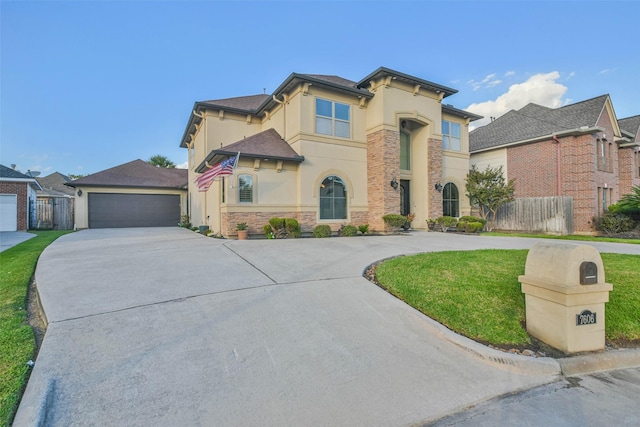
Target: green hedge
x,y
322,230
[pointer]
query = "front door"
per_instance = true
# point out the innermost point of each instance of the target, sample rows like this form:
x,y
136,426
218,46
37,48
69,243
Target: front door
x,y
405,202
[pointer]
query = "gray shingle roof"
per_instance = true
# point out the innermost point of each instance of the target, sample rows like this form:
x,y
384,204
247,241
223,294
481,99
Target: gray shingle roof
x,y
247,103
137,173
267,144
6,172
631,125
533,120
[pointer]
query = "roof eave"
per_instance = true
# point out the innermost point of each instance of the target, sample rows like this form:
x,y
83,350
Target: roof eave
x,y
215,157
569,132
415,80
461,113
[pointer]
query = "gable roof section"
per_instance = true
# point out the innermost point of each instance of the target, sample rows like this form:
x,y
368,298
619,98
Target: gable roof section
x,y
267,145
137,173
241,104
631,127
450,109
536,121
54,185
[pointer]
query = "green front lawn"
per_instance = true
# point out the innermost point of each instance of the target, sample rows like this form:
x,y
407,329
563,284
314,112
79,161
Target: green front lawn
x,y
17,342
477,293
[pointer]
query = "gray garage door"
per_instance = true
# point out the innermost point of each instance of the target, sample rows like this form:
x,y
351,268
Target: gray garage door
x,y
133,210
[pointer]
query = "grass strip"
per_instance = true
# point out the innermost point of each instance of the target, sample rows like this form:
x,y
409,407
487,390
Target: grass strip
x,y
576,237
477,293
17,342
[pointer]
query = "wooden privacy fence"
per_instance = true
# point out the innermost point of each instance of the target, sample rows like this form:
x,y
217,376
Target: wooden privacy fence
x,y
54,213
552,215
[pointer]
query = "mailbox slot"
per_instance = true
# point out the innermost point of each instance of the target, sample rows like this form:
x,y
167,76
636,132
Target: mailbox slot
x,y
588,273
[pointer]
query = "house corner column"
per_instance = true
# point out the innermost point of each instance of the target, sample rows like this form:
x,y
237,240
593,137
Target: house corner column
x,y
383,165
434,166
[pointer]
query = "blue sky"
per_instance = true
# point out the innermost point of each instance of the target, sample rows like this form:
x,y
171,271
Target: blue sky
x,y
88,85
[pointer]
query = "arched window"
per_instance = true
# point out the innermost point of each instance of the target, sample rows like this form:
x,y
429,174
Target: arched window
x,y
333,198
450,200
245,188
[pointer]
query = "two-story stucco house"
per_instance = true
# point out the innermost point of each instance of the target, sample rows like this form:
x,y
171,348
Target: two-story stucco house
x,y
579,150
327,150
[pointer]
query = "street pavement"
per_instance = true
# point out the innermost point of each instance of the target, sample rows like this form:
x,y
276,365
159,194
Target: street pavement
x,y
162,326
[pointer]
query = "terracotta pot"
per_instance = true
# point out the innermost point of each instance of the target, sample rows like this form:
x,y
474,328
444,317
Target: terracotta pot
x,y
243,234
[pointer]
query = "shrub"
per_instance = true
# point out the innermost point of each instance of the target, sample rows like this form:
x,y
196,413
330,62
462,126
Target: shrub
x,y
241,226
473,227
292,227
612,223
322,230
446,222
394,220
276,223
349,231
267,230
184,221
364,228
472,219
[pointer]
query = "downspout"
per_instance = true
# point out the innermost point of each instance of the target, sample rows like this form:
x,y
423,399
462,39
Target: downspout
x,y
284,113
559,165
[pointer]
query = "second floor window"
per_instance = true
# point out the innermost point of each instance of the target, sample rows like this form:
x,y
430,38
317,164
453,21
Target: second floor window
x,y
333,118
405,151
604,156
637,163
450,136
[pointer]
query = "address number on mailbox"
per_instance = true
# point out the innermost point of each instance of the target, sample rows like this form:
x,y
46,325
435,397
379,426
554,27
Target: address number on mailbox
x,y
586,317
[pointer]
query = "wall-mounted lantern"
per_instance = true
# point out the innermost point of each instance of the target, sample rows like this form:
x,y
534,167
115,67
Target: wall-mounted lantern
x,y
438,187
394,184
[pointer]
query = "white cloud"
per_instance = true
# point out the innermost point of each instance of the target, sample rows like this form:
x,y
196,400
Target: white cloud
x,y
608,71
184,165
510,73
542,89
489,81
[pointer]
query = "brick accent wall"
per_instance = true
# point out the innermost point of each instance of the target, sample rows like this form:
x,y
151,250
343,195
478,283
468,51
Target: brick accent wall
x,y
383,165
534,168
627,167
19,188
434,166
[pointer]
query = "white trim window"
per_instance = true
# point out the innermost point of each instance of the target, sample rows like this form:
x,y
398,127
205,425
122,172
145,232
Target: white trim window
x,y
450,136
245,189
333,118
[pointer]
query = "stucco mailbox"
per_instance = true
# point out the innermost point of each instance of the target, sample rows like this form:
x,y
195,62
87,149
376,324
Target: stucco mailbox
x,y
565,293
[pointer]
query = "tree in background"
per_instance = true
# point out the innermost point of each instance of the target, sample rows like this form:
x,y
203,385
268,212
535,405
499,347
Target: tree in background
x,y
73,176
489,190
161,161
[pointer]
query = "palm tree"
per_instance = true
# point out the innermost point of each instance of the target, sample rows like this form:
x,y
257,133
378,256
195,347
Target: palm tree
x,y
161,161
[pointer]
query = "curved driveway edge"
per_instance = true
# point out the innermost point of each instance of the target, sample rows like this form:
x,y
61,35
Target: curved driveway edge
x,y
164,326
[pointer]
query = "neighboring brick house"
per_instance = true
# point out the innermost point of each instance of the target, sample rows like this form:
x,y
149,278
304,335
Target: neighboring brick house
x,y
629,154
327,150
578,150
17,199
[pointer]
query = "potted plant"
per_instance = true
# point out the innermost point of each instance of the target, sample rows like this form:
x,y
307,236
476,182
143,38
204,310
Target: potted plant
x,y
410,217
243,231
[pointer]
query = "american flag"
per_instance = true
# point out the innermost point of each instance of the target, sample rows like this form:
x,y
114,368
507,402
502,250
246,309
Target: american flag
x,y
225,167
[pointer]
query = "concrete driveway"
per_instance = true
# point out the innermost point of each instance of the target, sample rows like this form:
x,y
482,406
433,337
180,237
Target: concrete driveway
x,y
162,326
9,239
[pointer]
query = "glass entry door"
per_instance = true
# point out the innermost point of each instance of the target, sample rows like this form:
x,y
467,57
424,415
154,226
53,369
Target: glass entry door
x,y
405,202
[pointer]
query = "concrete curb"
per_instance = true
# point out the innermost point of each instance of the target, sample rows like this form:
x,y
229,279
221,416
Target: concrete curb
x,y
33,412
598,362
570,366
514,362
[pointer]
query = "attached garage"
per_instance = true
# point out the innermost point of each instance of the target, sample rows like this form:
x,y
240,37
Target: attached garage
x,y
8,212
112,210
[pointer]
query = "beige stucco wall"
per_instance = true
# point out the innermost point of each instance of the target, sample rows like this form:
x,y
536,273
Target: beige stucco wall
x,y
493,158
82,202
295,188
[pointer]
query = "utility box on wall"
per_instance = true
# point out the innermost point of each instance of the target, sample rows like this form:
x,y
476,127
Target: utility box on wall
x,y
565,293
